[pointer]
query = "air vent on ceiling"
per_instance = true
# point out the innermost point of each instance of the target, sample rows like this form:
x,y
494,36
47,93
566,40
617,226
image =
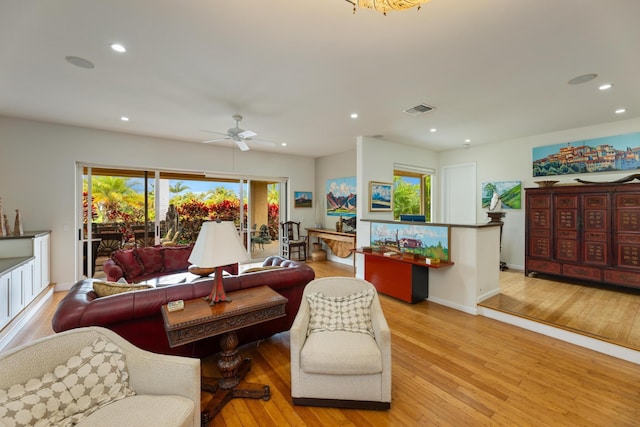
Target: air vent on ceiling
x,y
419,109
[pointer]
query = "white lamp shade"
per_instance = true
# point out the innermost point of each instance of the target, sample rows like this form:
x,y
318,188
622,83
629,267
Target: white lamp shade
x,y
218,244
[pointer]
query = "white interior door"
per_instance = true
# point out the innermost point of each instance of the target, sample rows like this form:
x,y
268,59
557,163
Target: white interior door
x,y
459,194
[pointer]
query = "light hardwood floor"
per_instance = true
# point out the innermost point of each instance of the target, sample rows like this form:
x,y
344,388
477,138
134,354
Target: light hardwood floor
x,y
449,369
606,313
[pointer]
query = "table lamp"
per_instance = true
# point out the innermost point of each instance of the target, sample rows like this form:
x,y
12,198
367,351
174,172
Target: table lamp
x,y
218,244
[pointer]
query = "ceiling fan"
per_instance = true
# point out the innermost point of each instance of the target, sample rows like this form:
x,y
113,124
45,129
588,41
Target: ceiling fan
x,y
239,136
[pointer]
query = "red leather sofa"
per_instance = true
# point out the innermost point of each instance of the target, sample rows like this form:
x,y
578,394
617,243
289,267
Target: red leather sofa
x,y
136,315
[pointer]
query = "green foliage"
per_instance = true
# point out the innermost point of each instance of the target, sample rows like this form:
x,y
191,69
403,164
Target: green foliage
x,y
407,197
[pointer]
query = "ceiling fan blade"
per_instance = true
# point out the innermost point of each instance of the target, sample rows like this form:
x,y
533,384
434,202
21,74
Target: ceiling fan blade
x,y
213,131
242,145
263,142
247,134
215,140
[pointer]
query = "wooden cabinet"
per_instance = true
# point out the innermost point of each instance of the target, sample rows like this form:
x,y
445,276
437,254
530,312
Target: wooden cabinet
x,y
589,232
404,278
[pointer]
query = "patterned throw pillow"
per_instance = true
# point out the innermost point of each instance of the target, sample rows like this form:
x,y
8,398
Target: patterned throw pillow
x,y
88,381
151,259
350,313
127,261
176,258
104,289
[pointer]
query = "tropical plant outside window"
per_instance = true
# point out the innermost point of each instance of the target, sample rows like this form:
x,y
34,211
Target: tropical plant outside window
x,y
411,194
119,202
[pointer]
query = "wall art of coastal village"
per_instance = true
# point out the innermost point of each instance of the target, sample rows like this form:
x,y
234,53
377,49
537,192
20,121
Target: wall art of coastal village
x,y
341,197
431,241
611,153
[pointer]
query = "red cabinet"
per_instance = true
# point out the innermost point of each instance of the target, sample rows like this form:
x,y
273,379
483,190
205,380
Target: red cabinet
x,y
589,232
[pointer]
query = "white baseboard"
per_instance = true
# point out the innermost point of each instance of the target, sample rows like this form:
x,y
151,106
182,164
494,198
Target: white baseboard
x,y
469,310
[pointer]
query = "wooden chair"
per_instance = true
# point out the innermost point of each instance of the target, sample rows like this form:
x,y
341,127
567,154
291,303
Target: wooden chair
x,y
109,242
141,242
292,241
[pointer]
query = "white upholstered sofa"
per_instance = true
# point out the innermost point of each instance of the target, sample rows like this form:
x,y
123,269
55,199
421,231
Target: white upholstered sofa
x,y
343,362
93,377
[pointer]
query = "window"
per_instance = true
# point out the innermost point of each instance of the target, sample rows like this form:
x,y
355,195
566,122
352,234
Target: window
x,y
412,192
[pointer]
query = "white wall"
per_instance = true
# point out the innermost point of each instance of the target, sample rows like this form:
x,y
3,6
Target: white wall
x,y
339,165
375,160
38,166
511,161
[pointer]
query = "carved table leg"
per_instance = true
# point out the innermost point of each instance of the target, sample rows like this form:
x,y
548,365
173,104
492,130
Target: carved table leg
x,y
231,384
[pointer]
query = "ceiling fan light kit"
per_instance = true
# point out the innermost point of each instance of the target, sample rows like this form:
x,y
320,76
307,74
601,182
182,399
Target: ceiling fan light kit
x,y
384,6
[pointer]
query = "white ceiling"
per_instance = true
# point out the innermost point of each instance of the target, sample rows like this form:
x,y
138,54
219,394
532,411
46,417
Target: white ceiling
x,y
296,69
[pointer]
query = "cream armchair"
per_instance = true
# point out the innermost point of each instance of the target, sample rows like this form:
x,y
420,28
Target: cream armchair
x,y
79,377
340,364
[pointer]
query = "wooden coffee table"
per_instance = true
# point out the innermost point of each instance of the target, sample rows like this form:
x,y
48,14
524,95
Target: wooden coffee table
x,y
199,320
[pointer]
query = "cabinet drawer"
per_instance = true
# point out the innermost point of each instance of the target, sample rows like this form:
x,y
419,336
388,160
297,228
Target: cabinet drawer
x,y
543,266
582,272
539,232
626,278
600,237
537,202
563,234
627,200
595,201
628,238
566,202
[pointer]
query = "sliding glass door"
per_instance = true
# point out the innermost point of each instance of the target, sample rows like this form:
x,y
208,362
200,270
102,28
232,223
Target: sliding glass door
x,y
136,208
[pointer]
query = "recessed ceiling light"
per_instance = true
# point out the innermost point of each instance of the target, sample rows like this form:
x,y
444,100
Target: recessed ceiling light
x,y
621,110
284,144
354,115
124,118
582,79
433,130
80,62
605,86
467,140
118,47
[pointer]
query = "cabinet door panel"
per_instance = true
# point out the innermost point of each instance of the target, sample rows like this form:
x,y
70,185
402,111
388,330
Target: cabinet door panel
x,y
5,283
540,247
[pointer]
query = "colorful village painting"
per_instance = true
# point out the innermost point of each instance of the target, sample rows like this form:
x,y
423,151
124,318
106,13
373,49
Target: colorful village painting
x,y
611,153
341,197
431,241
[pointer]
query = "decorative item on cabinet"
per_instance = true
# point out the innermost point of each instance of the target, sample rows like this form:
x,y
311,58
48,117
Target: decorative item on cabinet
x,y
5,220
3,228
17,226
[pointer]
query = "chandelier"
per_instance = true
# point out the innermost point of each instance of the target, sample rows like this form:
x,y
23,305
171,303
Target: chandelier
x,y
385,6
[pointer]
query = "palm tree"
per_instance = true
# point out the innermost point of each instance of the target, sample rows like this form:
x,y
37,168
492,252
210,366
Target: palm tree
x,y
112,195
179,187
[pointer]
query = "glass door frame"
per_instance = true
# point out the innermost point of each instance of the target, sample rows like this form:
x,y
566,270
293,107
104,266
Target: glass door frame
x,y
155,175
